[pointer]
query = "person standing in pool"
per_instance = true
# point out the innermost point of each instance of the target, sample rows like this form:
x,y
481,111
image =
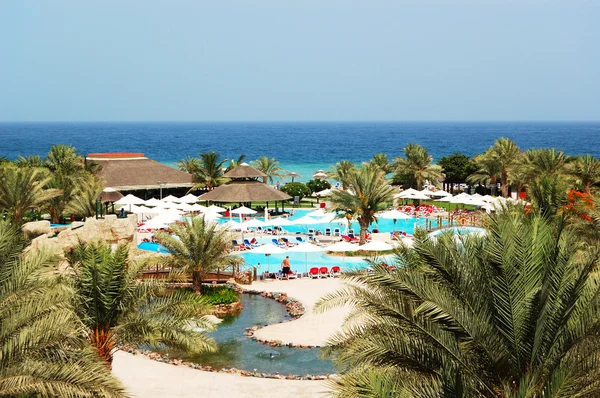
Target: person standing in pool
x,y
285,267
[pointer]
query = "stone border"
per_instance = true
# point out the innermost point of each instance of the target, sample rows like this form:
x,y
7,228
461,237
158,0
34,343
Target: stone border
x,y
294,308
164,358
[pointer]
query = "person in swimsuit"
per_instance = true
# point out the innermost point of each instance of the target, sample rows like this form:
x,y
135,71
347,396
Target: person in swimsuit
x,y
285,267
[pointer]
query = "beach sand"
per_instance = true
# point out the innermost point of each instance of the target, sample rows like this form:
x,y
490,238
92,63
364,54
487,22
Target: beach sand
x,y
147,378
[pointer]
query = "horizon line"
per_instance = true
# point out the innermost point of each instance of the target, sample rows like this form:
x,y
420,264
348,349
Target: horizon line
x,y
297,121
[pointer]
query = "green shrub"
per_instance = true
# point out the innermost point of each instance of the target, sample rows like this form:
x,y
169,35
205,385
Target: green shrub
x,y
216,295
318,185
295,189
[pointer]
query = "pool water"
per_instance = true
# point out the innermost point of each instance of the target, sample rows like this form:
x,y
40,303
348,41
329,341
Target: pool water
x,y
237,350
153,247
383,224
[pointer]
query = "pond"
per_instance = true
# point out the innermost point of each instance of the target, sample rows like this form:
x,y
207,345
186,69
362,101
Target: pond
x,y
235,350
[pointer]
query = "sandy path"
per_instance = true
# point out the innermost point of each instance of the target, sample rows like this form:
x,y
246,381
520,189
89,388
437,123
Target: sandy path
x,y
146,378
311,328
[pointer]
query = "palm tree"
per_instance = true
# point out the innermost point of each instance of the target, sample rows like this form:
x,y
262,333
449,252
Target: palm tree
x,y
381,160
236,162
513,313
586,171
342,172
190,165
64,159
22,189
417,163
507,154
269,166
197,247
370,193
83,201
544,162
42,352
118,307
210,171
29,161
488,169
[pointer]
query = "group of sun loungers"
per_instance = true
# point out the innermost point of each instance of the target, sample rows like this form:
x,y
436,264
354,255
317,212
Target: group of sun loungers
x,y
324,272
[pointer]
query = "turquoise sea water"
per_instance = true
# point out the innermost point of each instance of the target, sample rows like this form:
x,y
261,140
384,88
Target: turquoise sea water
x,y
300,147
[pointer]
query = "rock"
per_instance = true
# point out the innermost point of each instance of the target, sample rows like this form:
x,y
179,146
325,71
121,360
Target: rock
x,y
36,228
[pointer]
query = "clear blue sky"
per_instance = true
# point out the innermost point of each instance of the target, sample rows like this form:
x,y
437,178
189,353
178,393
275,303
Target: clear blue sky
x,y
299,60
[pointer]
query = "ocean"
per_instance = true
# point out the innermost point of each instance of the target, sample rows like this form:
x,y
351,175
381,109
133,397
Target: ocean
x,y
300,147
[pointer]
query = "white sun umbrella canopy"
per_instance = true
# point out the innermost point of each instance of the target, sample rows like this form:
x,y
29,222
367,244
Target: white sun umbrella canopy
x,y
153,202
267,250
184,207
243,210
376,246
319,175
279,222
189,198
395,215
441,193
317,213
446,199
343,247
427,192
406,192
197,207
416,196
325,192
130,200
170,198
216,209
306,220
488,198
306,247
233,226
255,222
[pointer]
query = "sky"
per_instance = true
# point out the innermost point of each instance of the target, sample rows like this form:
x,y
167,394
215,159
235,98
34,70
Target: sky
x,y
300,60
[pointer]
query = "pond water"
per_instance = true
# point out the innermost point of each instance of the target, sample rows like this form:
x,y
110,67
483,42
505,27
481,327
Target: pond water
x,y
458,231
235,350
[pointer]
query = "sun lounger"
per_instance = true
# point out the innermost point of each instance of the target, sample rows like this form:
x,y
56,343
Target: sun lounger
x,y
278,243
249,245
336,232
238,245
314,273
327,231
335,271
299,239
324,272
287,242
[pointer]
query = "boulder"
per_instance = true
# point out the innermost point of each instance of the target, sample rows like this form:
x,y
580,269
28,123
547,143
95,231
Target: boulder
x,y
36,228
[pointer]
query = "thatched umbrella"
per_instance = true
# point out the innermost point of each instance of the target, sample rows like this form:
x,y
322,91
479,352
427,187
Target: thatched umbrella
x,y
109,195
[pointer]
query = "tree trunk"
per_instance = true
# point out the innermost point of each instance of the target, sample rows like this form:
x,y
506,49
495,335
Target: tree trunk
x,y
504,183
103,340
196,281
363,232
494,183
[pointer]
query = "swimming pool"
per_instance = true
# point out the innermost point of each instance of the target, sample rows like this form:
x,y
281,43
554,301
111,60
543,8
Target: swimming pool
x,y
153,247
383,224
458,231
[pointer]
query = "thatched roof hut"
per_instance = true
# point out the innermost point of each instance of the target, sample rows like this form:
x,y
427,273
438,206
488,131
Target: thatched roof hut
x,y
244,187
109,194
134,171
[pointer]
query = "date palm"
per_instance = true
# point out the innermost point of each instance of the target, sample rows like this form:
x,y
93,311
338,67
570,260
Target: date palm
x,y
586,171
507,154
269,166
487,171
118,307
417,164
83,202
190,165
42,349
22,189
381,160
342,172
198,246
514,313
370,193
544,162
210,171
